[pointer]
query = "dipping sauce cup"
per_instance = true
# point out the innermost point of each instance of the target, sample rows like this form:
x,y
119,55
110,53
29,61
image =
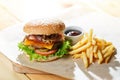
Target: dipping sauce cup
x,y
73,33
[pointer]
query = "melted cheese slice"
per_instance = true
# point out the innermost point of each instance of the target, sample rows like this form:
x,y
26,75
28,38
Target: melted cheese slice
x,y
43,45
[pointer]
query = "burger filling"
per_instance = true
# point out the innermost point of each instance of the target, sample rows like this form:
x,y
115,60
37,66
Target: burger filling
x,y
42,46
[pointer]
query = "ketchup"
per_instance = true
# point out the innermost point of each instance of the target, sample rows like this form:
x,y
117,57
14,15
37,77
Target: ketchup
x,y
73,32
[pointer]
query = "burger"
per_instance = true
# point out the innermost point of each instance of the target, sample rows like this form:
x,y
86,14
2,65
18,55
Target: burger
x,y
44,40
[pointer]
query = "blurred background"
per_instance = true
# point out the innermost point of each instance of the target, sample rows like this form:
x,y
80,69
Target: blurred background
x,y
23,10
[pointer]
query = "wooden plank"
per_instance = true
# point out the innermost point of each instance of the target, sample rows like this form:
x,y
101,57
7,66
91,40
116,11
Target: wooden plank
x,y
6,71
22,69
44,77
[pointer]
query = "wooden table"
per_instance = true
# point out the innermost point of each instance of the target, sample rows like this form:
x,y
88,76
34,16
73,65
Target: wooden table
x,y
11,12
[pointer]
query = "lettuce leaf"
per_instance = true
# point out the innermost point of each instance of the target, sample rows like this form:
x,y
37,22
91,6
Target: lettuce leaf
x,y
63,49
30,51
33,56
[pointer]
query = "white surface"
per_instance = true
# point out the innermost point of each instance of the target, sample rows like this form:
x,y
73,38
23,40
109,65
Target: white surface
x,y
104,26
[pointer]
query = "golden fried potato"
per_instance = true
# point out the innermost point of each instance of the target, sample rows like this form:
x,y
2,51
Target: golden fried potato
x,y
91,49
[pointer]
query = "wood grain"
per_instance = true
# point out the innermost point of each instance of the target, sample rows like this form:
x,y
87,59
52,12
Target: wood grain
x,y
22,69
44,77
6,71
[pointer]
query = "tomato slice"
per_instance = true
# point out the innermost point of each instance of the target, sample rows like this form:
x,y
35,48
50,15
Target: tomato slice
x,y
45,53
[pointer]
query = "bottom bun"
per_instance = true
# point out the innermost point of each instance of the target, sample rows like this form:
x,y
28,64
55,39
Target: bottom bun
x,y
50,58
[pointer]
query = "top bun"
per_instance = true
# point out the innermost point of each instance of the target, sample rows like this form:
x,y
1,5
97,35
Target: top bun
x,y
44,26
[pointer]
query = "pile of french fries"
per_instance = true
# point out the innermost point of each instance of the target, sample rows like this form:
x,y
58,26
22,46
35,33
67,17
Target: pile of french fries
x,y
91,49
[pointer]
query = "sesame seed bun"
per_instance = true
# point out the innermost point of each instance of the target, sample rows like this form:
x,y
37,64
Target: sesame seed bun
x,y
44,26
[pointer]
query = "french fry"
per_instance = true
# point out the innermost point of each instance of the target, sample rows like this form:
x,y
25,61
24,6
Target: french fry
x,y
92,49
95,49
109,57
77,56
100,57
100,40
108,43
90,35
99,45
95,55
88,53
85,60
91,58
82,48
97,40
106,49
109,52
91,54
103,42
80,43
93,42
